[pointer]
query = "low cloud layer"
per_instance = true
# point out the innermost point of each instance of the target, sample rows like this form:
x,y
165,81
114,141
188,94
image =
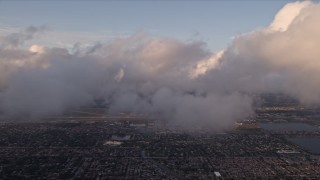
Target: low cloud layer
x,y
183,83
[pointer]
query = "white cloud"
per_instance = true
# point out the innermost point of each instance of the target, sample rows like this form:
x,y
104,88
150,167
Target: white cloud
x,y
182,82
287,14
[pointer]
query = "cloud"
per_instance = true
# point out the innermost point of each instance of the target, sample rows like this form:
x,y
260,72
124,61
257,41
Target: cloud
x,y
283,60
287,14
182,83
19,38
140,74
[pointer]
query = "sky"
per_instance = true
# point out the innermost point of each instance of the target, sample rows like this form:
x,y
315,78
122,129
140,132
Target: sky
x,y
213,22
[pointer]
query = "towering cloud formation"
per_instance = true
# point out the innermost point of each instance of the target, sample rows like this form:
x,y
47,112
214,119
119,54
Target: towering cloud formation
x,y
180,82
283,57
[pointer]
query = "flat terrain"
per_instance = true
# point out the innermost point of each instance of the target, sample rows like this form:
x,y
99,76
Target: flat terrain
x,y
77,150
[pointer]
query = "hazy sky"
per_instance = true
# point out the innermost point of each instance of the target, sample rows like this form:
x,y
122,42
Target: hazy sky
x,y
213,22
